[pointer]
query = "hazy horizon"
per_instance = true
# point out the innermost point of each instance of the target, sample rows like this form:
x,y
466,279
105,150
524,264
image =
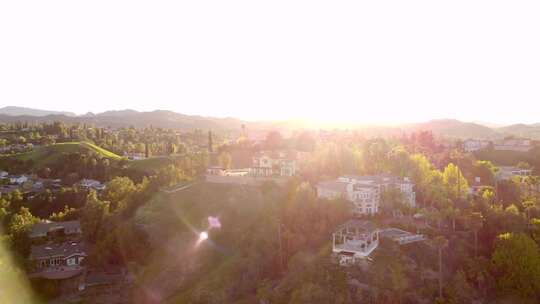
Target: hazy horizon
x,y
383,62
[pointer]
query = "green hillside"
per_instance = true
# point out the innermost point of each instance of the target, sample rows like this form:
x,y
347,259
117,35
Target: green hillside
x,y
149,165
244,253
51,154
175,218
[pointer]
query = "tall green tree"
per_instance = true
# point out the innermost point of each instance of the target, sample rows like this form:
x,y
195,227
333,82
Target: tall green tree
x,y
440,243
456,184
516,261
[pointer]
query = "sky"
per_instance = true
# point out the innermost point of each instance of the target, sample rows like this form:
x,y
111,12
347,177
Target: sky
x,y
354,61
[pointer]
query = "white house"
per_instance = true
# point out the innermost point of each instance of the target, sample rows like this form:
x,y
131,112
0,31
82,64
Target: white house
x,y
91,184
215,170
354,241
269,163
365,191
514,144
18,179
472,145
508,172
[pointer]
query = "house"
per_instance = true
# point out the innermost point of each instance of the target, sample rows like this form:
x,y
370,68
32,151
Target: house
x,y
57,261
401,237
508,172
365,191
354,241
271,163
134,155
514,144
48,229
18,179
236,172
91,184
472,145
215,170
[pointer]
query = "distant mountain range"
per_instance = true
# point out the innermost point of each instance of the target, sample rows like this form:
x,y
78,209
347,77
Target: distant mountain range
x,y
21,111
168,119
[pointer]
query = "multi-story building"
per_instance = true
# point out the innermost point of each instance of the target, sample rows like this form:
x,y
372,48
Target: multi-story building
x,y
472,145
272,163
365,191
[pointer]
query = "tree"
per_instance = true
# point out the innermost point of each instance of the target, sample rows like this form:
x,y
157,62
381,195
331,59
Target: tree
x,y
452,213
18,228
210,144
456,184
516,261
440,242
94,215
398,279
475,222
274,140
118,191
460,291
392,200
485,170
225,160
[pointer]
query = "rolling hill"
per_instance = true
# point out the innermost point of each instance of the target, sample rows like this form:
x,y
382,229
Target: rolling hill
x,y
127,118
457,129
19,111
172,120
47,155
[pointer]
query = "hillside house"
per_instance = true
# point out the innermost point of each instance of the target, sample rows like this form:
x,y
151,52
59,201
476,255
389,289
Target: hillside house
x,y
472,145
215,170
57,261
509,172
514,144
354,241
88,184
401,237
273,163
365,191
50,230
18,179
134,155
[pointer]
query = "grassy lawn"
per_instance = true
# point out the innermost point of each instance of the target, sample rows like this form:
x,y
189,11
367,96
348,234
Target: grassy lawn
x,y
46,155
147,164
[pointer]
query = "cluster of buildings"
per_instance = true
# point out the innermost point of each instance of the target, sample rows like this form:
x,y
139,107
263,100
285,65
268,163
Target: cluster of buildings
x,y
58,253
264,164
508,144
509,172
28,184
365,191
355,240
17,148
57,250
